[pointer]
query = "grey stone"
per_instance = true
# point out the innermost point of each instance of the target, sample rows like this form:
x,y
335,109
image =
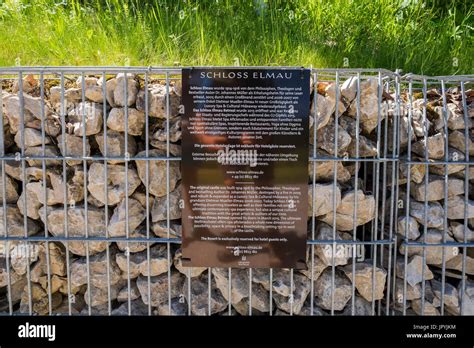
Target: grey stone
x,y
92,113
135,247
345,211
140,263
159,211
187,271
124,293
458,141
157,174
413,227
102,271
116,188
73,147
324,112
39,300
433,147
428,309
367,148
137,307
325,169
118,222
434,214
467,300
136,121
460,232
326,139
159,288
414,270
449,294
124,82
174,131
295,300
31,137
239,283
160,229
15,223
178,306
37,151
362,307
116,145
93,88
102,296
435,188
199,299
329,255
157,101
11,194
434,254
457,208
323,290
369,106
324,196
370,286
412,292
453,156
76,225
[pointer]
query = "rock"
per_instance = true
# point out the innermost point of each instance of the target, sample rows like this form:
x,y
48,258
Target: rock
x,y
124,294
349,88
453,156
457,208
102,271
457,140
39,300
434,214
294,301
435,188
135,247
137,307
428,309
413,227
136,121
22,255
325,169
369,109
460,231
158,262
159,211
159,288
160,229
329,255
449,294
434,148
115,182
6,273
32,137
157,101
101,296
37,151
323,290
123,82
187,271
367,148
417,173
13,113
118,224
93,88
28,85
92,113
32,201
76,224
456,263
178,306
454,115
157,175
11,190
239,283
361,307
369,286
412,292
433,253
174,131
175,150
466,297
116,146
326,139
325,111
329,91
324,194
199,299
16,223
345,211
317,267
414,270
73,147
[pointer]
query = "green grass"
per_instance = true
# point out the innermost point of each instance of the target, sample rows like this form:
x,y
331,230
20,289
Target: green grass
x,y
430,37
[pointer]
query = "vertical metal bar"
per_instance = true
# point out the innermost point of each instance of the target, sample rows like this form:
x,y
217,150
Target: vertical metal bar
x,y
45,194
209,283
168,184
71,297
86,212
127,227
229,294
292,296
250,291
106,190
23,173
5,224
354,228
315,153
445,214
334,205
147,194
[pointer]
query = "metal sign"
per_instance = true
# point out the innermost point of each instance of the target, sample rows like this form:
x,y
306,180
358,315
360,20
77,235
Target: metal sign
x,y
245,167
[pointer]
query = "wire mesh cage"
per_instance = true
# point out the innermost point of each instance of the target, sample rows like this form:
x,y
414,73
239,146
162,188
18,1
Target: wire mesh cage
x,y
90,165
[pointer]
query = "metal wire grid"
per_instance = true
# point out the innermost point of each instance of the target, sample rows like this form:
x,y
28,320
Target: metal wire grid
x,y
418,84
383,166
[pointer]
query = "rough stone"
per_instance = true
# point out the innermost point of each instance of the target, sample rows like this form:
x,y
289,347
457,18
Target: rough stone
x,y
453,156
73,147
136,214
323,290
324,196
457,208
101,271
413,227
32,137
412,292
174,131
159,210
92,113
157,103
429,308
15,223
187,271
123,82
435,188
157,173
325,169
345,211
449,294
326,139
364,280
140,264
37,151
116,146
467,301
338,255
434,148
460,232
239,283
136,121
434,214
199,299
457,140
159,288
368,103
414,270
116,189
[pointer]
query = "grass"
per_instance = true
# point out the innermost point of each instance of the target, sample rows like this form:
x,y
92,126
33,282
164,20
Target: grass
x,y
430,37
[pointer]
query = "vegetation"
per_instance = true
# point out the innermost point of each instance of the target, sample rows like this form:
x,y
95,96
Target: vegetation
x,y
430,37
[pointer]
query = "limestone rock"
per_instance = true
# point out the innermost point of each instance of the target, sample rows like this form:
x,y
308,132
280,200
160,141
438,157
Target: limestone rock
x,y
136,121
449,294
157,101
140,264
136,214
159,211
76,225
73,147
93,115
187,271
101,271
174,131
157,173
369,286
199,299
326,139
467,300
329,255
434,147
453,156
293,303
11,193
324,195
159,288
323,290
16,224
37,151
460,232
369,106
101,296
116,188
239,283
31,137
345,211
435,188
457,208
325,170
93,88
413,227
412,292
116,145
434,214
428,308
458,141
124,86
324,112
